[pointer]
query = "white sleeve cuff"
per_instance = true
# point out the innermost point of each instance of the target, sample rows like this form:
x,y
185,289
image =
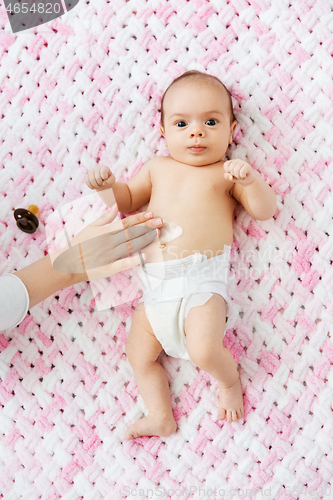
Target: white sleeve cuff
x,y
14,301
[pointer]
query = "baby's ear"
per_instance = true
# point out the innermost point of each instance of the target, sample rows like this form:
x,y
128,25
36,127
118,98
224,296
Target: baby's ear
x,y
232,130
162,130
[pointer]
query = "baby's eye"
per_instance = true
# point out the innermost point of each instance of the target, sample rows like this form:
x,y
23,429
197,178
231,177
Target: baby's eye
x,y
181,123
209,122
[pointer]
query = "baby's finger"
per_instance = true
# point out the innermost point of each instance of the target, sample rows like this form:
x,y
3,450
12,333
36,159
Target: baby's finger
x,y
244,171
228,165
236,166
105,172
229,177
92,179
87,180
98,178
241,170
109,181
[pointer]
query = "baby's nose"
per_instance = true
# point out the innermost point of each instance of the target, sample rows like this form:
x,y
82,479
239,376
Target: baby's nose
x,y
196,133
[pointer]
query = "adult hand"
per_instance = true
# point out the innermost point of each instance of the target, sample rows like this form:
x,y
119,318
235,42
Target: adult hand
x,y
97,249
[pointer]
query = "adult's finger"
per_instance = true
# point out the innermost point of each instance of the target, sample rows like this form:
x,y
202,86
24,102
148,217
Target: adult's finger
x,y
114,267
134,245
107,248
139,218
126,263
106,218
141,242
131,221
113,239
133,232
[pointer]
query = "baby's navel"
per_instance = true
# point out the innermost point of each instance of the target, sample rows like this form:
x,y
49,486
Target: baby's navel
x,y
169,232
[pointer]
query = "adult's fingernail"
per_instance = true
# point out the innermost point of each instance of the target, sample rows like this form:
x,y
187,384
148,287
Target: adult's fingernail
x,y
157,222
114,207
148,215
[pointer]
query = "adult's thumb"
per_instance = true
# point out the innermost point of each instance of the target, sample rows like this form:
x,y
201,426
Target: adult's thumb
x,y
108,217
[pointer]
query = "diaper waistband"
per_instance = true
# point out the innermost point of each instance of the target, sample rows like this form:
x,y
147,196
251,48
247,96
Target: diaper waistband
x,y
173,268
176,278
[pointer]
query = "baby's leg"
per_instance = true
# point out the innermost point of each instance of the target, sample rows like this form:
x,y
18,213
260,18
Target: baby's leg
x,y
142,350
204,327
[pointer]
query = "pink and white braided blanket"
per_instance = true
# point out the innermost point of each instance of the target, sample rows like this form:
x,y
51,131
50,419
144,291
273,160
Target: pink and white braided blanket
x,y
86,89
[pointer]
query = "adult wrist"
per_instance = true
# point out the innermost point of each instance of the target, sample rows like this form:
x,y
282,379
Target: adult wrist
x,y
75,278
68,277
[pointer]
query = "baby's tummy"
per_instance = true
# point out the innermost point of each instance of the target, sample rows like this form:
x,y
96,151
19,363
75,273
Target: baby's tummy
x,y
186,233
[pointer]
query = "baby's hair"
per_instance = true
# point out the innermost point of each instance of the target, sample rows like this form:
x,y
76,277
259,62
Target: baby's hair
x,y
199,76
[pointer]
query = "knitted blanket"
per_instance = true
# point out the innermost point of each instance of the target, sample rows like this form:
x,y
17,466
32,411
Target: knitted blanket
x,y
85,89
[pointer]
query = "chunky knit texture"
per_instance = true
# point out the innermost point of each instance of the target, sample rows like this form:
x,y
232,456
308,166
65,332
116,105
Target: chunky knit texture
x,y
86,89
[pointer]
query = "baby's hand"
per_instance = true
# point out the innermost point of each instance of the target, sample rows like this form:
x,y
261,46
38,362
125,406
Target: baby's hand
x,y
100,178
239,171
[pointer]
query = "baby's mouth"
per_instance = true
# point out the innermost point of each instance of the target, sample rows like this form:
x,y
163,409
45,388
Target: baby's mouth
x,y
197,149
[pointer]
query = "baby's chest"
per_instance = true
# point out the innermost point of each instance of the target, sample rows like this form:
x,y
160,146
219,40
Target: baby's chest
x,y
186,189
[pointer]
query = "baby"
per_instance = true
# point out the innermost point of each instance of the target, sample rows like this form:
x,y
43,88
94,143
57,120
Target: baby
x,y
197,191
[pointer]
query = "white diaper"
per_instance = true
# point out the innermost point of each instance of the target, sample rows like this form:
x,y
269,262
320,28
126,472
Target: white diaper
x,y
174,287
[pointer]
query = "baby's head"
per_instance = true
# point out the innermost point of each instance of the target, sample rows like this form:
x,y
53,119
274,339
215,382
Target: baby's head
x,y
196,109
203,79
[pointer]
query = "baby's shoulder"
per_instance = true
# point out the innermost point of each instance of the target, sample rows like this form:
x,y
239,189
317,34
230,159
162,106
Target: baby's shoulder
x,y
159,163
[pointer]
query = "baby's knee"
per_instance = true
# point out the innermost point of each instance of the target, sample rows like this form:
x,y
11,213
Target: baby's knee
x,y
130,351
134,356
202,356
139,359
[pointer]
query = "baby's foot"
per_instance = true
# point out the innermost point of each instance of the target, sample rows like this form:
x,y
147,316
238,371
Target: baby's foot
x,y
231,402
152,425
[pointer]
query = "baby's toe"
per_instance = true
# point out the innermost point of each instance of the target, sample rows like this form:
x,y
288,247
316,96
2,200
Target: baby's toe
x,y
222,414
232,416
128,436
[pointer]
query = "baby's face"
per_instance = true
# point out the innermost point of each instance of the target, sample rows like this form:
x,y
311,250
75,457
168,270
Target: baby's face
x,y
196,115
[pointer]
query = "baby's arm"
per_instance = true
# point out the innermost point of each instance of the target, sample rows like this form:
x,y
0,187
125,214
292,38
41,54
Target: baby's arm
x,y
257,197
130,195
